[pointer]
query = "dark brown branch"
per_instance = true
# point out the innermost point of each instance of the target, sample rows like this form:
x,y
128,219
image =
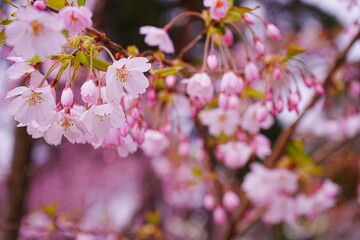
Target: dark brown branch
x,y
285,136
16,186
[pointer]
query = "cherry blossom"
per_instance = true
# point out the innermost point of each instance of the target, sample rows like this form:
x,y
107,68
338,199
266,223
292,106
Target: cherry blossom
x,y
32,104
219,120
199,86
127,73
157,37
231,83
155,143
35,33
236,154
76,19
218,8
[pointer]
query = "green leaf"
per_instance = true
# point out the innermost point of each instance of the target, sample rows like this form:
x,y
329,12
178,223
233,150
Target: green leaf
x,y
7,1
197,172
2,37
294,50
81,2
84,59
167,71
254,93
58,4
6,21
35,59
100,64
235,14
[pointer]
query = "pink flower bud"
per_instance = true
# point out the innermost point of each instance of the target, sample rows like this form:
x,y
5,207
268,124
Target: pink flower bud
x,y
219,215
223,101
229,37
184,148
139,136
248,18
231,201
319,88
209,202
261,113
251,72
135,113
293,101
151,94
272,31
308,81
219,154
279,105
166,128
233,102
124,130
89,92
354,89
131,121
67,97
170,81
260,47
39,5
277,73
269,94
212,61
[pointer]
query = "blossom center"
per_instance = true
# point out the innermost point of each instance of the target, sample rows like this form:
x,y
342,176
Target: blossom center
x,y
219,4
73,17
37,27
33,99
65,123
222,118
122,75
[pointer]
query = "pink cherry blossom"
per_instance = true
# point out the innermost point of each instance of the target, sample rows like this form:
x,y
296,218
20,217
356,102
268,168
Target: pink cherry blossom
x,y
235,154
100,118
231,201
200,86
19,68
155,143
35,33
261,146
282,209
218,8
219,120
231,83
64,125
32,104
256,117
209,202
76,19
124,145
228,37
157,37
127,73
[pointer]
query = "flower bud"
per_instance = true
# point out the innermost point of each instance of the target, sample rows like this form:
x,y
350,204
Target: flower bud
x,y
293,101
219,215
184,148
277,73
124,130
229,37
279,105
231,201
233,102
139,136
135,113
261,113
319,88
212,61
260,47
67,97
170,81
272,31
248,18
39,5
308,81
251,72
209,202
89,91
223,101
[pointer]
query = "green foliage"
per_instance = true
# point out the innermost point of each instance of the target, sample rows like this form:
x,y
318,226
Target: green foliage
x,y
235,13
293,50
6,21
84,58
167,71
58,4
296,151
254,93
2,37
81,2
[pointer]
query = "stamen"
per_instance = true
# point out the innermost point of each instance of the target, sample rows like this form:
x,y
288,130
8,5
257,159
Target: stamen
x,y
122,75
33,99
65,123
37,27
